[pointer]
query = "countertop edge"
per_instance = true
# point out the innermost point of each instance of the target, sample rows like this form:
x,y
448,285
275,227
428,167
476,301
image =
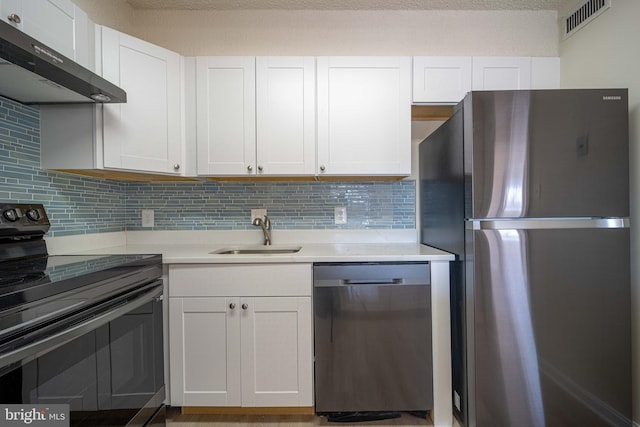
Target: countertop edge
x,y
310,253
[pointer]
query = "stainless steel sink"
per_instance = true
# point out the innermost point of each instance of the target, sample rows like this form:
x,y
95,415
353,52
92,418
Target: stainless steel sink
x,y
257,250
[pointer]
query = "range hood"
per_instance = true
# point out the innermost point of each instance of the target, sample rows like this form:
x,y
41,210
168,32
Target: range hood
x,y
32,73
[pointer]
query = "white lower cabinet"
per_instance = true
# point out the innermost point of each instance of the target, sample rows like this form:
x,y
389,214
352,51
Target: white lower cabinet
x,y
204,352
249,345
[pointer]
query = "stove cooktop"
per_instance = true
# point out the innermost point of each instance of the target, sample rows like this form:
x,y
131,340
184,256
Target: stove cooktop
x,y
37,290
27,276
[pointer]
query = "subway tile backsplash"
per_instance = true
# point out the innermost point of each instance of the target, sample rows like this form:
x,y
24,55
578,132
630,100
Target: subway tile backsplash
x,y
308,205
82,205
75,205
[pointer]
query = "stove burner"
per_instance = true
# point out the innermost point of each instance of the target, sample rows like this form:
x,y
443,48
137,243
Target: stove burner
x,y
17,280
25,270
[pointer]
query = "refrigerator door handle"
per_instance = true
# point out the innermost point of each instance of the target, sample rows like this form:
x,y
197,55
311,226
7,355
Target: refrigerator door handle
x,y
552,223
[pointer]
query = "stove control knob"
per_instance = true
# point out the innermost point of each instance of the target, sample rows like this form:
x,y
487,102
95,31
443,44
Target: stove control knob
x,y
11,215
33,214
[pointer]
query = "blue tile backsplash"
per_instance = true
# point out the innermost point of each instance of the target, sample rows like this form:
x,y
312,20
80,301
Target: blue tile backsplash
x,y
308,205
79,205
75,205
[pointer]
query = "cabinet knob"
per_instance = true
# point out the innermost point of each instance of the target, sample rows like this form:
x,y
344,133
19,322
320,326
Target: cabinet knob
x,y
260,168
245,306
232,306
249,168
14,18
176,166
322,168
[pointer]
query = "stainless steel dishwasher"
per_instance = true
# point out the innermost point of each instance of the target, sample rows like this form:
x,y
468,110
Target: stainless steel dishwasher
x,y
372,337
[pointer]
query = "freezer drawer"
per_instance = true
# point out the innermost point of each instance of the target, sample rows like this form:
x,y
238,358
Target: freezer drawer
x,y
552,327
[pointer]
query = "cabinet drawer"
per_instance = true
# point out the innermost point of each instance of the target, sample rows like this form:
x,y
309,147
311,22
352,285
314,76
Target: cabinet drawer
x,y
187,280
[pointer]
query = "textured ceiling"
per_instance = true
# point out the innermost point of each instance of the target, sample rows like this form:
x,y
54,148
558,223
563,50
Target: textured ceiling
x,y
349,4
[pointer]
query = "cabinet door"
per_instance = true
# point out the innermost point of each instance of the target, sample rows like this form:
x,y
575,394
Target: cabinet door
x,y
441,79
277,351
145,133
85,39
501,73
545,73
75,385
10,8
364,115
48,21
226,114
204,351
286,115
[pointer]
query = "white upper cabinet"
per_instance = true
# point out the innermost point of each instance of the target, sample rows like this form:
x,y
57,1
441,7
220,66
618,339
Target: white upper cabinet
x,y
364,116
255,116
145,133
85,39
225,110
286,115
58,24
441,79
501,72
446,79
545,73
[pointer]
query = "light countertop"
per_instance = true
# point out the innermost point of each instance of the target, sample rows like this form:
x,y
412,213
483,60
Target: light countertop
x,y
310,252
178,247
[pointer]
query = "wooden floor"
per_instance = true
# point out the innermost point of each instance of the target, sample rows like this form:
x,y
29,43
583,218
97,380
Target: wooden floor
x,y
176,419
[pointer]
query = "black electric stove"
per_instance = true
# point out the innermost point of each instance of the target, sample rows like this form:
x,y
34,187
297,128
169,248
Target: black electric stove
x,y
49,302
36,287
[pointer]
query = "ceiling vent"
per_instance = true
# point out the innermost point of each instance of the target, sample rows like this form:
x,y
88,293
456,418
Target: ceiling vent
x,y
581,15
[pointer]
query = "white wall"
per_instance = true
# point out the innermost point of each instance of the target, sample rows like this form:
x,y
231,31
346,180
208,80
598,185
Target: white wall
x,y
116,14
605,54
311,32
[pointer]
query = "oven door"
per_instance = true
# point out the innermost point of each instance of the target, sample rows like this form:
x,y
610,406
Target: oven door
x,y
108,367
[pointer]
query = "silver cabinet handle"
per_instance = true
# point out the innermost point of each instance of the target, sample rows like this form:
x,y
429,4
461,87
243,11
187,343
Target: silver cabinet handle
x,y
260,168
232,306
245,306
176,166
322,168
249,168
14,18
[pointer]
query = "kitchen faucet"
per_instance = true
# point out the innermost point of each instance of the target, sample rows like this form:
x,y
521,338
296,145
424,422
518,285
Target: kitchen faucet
x,y
265,224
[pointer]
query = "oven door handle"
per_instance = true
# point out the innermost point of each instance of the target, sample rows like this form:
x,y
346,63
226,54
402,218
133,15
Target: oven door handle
x,y
40,347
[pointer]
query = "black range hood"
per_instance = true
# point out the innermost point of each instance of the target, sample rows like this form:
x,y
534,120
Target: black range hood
x,y
32,73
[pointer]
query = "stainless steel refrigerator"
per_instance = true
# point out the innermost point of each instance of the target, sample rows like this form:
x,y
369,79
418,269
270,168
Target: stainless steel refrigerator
x,y
530,191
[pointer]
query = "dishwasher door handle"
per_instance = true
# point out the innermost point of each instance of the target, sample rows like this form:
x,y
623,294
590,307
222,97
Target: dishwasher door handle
x,y
348,282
